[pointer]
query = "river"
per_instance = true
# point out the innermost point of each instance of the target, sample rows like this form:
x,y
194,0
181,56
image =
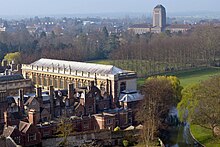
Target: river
x,y
178,134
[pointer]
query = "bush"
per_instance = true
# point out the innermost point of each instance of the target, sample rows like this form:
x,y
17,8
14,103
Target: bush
x,y
125,143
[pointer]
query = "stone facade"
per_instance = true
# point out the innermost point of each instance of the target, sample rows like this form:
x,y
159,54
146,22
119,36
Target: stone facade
x,y
46,72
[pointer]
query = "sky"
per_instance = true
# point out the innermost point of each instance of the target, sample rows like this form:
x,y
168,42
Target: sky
x,y
53,7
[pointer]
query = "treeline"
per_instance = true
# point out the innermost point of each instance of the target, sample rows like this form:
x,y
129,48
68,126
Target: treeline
x,y
147,54
79,47
167,52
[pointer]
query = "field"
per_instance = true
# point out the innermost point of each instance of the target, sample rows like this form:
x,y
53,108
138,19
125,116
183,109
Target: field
x,y
186,76
144,68
190,76
204,136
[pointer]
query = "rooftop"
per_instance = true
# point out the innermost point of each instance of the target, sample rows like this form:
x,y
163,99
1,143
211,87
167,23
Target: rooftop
x,y
130,96
159,7
78,66
144,25
10,78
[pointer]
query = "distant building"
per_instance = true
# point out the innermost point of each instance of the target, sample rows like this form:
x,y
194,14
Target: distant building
x,y
159,17
176,28
159,24
140,28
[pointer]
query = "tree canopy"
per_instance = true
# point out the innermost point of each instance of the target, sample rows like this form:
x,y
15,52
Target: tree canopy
x,y
16,57
201,104
160,95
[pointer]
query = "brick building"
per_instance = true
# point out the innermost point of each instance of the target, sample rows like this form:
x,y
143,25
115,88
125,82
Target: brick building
x,y
24,134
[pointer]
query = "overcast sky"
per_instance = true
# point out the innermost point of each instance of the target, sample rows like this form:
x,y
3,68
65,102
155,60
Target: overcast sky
x,y
53,7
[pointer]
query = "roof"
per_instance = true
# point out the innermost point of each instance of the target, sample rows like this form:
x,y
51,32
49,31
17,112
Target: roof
x,y
144,25
8,142
8,131
11,78
24,126
179,26
29,101
159,7
130,96
78,66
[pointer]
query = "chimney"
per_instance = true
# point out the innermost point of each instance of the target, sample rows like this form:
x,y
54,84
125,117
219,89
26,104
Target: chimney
x,y
107,86
32,117
21,100
70,90
39,95
92,84
19,69
51,93
7,118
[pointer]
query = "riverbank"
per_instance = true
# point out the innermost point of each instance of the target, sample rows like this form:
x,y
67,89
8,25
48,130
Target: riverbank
x,y
204,136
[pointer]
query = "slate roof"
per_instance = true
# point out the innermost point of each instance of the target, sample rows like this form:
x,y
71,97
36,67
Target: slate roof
x,y
29,101
130,96
78,66
11,78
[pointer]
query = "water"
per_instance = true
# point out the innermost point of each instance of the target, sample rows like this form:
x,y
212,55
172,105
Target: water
x,y
178,134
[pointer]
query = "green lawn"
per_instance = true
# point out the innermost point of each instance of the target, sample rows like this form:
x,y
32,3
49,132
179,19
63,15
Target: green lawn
x,y
106,62
204,136
190,77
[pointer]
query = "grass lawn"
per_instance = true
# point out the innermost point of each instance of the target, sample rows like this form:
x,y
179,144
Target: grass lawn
x,y
204,136
106,62
191,76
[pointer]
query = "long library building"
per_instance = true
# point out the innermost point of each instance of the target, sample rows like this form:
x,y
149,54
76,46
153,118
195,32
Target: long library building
x,y
59,73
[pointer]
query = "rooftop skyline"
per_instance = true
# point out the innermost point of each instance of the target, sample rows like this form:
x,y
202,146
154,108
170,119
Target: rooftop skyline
x,y
51,7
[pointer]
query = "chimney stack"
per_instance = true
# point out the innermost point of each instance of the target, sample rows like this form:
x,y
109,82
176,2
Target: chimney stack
x,y
32,117
51,93
70,90
92,84
39,95
21,100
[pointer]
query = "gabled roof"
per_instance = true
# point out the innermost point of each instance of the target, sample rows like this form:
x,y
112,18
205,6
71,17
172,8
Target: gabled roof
x,y
8,131
24,126
29,101
78,66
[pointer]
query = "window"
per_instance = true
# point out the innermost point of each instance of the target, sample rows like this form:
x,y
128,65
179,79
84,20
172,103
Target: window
x,y
102,87
61,83
122,86
17,139
85,125
31,137
109,121
90,109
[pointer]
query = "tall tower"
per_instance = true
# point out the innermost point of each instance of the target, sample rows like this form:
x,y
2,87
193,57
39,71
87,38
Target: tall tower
x,y
159,17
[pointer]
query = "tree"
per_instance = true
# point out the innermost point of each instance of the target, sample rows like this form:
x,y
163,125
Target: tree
x,y
65,128
159,97
200,104
16,57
